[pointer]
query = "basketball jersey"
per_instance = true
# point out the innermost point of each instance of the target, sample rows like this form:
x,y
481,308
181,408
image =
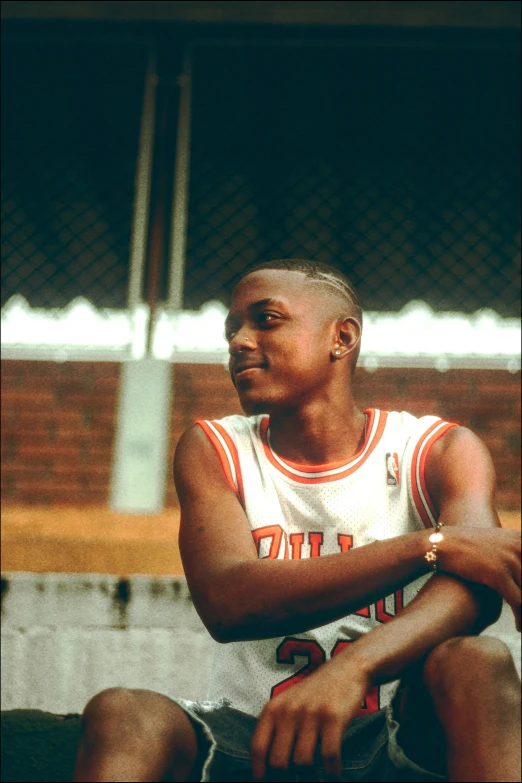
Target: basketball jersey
x,y
301,511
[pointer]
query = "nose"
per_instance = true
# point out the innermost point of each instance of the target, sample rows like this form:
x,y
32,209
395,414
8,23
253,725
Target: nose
x,y
240,342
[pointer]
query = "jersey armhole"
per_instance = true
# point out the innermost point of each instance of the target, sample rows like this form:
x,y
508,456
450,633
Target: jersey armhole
x,y
227,453
423,502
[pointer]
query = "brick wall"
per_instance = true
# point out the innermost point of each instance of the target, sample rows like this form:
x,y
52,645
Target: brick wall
x,y
58,421
57,432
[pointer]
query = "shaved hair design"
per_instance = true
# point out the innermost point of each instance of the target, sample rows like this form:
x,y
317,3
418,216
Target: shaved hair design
x,y
318,272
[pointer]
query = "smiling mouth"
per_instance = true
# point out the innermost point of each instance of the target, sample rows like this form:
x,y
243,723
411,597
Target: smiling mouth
x,y
246,371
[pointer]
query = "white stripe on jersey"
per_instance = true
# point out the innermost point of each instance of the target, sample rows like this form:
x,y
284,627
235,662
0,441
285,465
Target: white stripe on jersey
x,y
425,503
333,471
227,452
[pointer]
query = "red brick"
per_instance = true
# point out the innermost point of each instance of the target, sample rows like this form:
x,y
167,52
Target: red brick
x,y
98,452
87,400
48,415
48,450
83,472
102,420
33,399
67,388
29,485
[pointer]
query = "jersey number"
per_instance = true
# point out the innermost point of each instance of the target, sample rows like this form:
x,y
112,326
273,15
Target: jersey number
x,y
291,648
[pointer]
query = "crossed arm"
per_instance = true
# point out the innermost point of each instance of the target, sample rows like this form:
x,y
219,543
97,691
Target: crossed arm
x,y
480,563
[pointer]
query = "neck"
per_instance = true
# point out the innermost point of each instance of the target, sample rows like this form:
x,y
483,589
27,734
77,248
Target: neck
x,y
318,433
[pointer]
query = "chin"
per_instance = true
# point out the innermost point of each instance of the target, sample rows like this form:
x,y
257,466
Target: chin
x,y
253,404
254,407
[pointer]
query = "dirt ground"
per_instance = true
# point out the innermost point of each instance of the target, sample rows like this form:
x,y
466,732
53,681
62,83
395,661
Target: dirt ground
x,y
97,540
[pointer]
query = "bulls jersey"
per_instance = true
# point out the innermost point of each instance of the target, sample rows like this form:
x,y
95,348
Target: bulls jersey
x,y
300,511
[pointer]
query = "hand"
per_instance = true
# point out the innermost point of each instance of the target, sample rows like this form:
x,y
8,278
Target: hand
x,y
311,714
488,556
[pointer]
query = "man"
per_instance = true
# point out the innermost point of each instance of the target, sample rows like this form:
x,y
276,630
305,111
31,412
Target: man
x,y
305,536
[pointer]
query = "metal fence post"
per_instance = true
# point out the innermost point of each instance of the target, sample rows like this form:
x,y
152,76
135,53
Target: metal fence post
x,y
141,443
140,218
180,192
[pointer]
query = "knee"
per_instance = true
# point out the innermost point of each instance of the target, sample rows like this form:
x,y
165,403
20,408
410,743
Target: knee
x,y
112,711
467,661
112,701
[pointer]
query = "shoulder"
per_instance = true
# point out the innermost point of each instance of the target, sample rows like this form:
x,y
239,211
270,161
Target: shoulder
x,y
207,453
460,464
458,444
199,435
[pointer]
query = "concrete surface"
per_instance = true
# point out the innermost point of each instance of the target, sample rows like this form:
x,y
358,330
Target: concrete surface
x,y
65,637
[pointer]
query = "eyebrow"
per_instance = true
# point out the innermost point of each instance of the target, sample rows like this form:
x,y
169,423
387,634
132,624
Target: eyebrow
x,y
270,300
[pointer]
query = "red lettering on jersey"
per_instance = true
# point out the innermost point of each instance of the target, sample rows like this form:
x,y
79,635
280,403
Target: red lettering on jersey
x,y
287,652
345,542
380,607
296,542
275,532
316,542
371,701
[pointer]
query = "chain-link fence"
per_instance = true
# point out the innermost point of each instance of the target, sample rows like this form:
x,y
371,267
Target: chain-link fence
x,y
71,117
399,165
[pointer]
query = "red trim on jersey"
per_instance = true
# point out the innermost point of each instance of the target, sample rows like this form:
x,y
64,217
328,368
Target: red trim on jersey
x,y
316,472
235,456
223,456
423,502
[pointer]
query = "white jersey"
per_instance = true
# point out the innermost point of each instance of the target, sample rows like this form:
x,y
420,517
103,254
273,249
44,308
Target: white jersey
x,y
300,511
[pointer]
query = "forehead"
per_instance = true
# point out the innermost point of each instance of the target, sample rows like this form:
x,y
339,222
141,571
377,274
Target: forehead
x,y
292,288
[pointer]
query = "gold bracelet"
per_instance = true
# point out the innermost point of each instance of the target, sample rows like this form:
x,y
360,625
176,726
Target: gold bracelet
x,y
434,539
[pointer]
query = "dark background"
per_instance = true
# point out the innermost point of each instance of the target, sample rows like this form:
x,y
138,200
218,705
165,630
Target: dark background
x,y
392,152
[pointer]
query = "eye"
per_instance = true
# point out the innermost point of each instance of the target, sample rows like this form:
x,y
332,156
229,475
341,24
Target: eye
x,y
228,334
265,317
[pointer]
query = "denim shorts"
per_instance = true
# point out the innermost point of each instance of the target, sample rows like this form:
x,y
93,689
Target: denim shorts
x,y
370,750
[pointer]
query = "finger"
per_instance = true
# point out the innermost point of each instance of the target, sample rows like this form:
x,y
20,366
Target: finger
x,y
512,595
282,745
331,741
260,746
306,743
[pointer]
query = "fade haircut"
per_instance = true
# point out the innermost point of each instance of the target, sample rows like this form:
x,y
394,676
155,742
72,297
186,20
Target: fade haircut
x,y
321,273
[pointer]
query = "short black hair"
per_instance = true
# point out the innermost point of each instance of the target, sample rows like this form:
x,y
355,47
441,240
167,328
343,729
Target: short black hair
x,y
322,273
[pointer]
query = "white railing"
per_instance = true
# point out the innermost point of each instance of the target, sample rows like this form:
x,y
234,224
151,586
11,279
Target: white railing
x,y
417,336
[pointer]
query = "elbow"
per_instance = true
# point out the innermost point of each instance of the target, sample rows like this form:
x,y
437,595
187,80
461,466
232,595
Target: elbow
x,y
225,629
223,626
220,632
490,607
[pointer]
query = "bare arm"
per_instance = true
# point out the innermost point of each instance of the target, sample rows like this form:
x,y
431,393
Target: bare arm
x,y
460,479
241,597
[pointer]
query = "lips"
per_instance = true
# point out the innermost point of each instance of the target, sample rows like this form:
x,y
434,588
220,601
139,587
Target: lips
x,y
242,369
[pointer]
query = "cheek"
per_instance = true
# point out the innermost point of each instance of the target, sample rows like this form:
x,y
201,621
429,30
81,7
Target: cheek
x,y
303,364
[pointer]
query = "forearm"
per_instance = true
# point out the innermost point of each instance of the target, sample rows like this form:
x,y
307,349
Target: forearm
x,y
267,598
443,608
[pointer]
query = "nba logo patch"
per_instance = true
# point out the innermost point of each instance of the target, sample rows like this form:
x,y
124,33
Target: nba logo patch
x,y
393,478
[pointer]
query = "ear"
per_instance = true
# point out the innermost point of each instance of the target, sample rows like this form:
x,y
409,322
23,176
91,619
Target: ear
x,y
348,338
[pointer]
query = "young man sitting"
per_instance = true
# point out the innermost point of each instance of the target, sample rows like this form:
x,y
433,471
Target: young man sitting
x,y
346,561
